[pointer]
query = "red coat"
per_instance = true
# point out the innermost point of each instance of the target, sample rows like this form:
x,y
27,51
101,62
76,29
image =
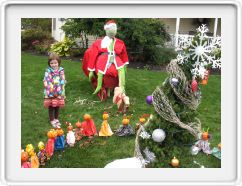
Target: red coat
x,y
98,59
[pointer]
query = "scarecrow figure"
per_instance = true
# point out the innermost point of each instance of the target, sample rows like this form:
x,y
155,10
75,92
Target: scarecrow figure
x,y
105,62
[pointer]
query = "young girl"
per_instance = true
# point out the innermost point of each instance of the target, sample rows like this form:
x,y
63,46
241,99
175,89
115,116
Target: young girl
x,y
54,88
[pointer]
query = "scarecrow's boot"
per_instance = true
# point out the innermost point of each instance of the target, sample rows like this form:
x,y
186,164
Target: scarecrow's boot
x,y
99,83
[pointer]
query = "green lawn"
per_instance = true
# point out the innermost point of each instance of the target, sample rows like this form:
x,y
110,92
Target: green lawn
x,y
140,83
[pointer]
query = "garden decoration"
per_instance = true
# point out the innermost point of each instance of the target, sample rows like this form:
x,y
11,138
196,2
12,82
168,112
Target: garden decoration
x,y
105,128
121,100
25,160
42,154
34,160
125,129
78,131
88,126
105,62
50,145
176,101
60,139
203,144
216,151
70,137
142,120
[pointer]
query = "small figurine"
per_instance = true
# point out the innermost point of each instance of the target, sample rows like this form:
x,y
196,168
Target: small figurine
x,y
121,100
50,145
203,144
88,126
141,123
105,128
25,160
60,139
125,129
42,154
34,161
70,137
216,151
78,131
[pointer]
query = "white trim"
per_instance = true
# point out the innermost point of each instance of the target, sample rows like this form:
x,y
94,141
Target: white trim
x,y
177,30
91,69
215,27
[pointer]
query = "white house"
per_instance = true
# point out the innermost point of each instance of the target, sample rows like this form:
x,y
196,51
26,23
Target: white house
x,y
176,27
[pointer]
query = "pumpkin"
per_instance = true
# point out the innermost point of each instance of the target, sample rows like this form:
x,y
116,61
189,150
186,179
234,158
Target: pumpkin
x,y
51,133
69,128
87,117
175,162
125,121
24,156
59,132
105,116
142,120
205,136
78,124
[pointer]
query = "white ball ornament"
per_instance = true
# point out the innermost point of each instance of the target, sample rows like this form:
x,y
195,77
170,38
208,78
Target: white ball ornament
x,y
158,135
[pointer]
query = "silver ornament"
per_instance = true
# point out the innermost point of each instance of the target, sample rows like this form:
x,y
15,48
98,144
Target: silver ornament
x,y
174,81
158,135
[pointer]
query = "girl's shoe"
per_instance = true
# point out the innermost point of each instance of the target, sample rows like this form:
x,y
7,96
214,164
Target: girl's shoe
x,y
53,123
57,122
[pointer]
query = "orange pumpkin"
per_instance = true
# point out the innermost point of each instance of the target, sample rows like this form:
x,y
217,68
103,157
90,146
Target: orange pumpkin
x,y
87,117
59,132
24,156
51,133
142,120
105,116
78,124
69,128
205,136
125,121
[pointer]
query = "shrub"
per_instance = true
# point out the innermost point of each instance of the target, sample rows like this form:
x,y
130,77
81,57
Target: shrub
x,y
62,48
43,47
31,37
162,56
77,52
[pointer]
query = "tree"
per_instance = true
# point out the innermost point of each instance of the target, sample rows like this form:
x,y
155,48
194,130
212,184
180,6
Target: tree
x,y
174,126
144,36
36,23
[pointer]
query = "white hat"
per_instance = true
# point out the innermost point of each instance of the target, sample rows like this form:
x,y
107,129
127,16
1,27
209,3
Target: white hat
x,y
110,25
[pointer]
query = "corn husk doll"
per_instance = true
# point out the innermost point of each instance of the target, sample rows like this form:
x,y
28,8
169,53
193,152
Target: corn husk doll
x,y
25,160
60,139
34,161
88,126
105,128
70,137
78,131
125,129
50,145
42,154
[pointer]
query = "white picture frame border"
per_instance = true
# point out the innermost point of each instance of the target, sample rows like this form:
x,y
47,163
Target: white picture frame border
x,y
3,116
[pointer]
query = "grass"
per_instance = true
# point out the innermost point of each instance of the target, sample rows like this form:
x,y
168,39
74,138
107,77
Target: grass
x,y
140,83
